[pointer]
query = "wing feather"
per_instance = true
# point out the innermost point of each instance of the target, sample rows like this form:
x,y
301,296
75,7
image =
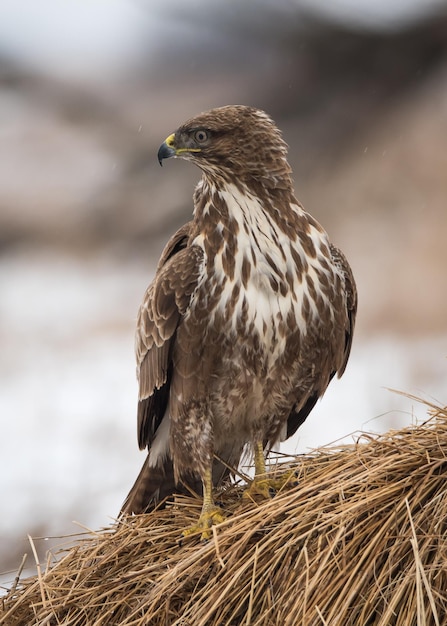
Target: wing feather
x,y
165,302
351,303
300,412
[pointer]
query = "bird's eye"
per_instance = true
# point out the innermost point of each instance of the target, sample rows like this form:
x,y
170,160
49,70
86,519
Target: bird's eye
x,y
201,136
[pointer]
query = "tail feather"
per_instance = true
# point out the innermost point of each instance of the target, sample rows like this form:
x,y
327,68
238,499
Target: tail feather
x,y
152,486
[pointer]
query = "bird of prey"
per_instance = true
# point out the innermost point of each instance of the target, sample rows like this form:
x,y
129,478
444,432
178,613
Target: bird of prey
x,y
249,316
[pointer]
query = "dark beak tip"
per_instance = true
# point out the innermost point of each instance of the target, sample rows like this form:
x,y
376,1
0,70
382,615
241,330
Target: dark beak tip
x,y
165,152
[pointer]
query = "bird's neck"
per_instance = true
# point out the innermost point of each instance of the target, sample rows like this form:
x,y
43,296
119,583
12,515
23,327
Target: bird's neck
x,y
233,210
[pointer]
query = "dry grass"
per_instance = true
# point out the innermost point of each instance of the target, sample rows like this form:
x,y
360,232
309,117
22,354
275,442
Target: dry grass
x,y
360,540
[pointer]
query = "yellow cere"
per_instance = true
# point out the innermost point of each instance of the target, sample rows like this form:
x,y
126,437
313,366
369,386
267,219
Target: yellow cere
x,y
170,140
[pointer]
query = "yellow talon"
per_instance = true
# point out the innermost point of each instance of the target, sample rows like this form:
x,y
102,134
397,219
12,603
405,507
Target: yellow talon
x,y
267,487
263,485
258,487
206,520
210,515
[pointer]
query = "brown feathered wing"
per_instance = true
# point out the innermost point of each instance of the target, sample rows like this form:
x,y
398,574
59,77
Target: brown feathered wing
x,y
299,415
164,305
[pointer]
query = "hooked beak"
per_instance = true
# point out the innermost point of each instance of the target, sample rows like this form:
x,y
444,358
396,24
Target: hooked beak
x,y
167,149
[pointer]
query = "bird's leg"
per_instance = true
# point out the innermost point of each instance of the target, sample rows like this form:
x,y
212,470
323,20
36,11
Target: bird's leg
x,y
211,514
260,485
259,459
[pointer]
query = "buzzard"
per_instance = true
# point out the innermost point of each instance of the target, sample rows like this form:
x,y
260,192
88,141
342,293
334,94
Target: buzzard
x,y
250,314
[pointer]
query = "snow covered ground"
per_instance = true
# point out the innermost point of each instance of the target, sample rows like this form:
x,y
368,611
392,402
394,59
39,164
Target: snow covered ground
x,y
68,392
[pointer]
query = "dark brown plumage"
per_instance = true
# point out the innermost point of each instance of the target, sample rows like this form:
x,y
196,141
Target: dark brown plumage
x,y
249,316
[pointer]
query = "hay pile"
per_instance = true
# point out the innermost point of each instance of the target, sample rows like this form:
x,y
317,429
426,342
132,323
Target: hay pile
x,y
360,540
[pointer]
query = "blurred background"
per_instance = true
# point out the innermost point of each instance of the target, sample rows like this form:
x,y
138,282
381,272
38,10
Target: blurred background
x,y
88,91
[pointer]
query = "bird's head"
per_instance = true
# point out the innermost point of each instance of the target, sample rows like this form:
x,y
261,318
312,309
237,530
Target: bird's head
x,y
232,141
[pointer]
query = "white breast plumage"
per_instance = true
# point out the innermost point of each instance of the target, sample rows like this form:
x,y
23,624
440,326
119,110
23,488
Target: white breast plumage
x,y
273,289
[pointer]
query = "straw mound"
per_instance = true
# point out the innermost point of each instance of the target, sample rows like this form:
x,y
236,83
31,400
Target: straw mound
x,y
361,539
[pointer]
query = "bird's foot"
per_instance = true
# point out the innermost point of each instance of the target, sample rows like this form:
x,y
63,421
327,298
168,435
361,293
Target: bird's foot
x,y
266,487
209,517
260,487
